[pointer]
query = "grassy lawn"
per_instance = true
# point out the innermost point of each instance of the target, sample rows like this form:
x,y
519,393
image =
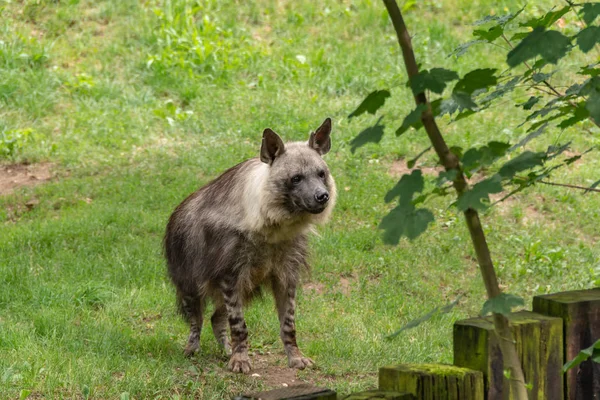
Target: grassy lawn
x,y
133,105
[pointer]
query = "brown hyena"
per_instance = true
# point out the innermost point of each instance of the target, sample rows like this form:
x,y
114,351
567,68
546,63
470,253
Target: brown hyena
x,y
247,229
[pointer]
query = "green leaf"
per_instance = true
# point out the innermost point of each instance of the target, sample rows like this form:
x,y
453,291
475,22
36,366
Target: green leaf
x,y
411,163
538,77
588,38
372,134
462,49
505,19
373,102
434,80
412,119
522,162
555,151
550,45
590,11
458,101
446,176
471,158
418,321
502,89
593,105
593,351
472,198
406,187
592,90
530,136
594,185
533,100
502,304
547,20
580,113
461,99
589,70
405,220
489,35
519,36
475,80
464,114
484,155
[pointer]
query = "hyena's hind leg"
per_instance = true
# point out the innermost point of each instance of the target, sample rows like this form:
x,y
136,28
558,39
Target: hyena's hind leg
x,y
219,326
192,308
285,300
239,360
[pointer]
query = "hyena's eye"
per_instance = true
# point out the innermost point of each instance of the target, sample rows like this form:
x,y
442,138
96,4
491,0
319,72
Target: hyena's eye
x,y
321,174
296,179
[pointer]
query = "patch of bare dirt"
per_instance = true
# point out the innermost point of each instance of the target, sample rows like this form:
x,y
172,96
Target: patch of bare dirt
x,y
400,168
15,176
532,215
314,287
347,282
272,370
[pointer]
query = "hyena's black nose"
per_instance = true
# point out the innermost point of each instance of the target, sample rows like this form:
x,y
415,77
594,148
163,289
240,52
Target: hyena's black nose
x,y
321,197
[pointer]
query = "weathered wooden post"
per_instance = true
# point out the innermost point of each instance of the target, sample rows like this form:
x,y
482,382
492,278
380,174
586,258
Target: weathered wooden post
x,y
539,342
580,312
432,381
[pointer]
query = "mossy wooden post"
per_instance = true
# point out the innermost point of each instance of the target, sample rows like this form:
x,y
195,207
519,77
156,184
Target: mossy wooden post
x,y
432,381
580,312
297,392
539,342
379,395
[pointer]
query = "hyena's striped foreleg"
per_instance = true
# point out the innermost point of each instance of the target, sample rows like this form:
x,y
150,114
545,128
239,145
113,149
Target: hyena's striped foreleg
x,y
239,361
285,299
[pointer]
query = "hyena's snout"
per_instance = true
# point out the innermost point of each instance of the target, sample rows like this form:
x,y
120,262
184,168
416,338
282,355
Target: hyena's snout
x,y
318,203
322,197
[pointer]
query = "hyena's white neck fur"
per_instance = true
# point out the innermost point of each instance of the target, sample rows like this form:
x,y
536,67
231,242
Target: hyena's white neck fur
x,y
263,213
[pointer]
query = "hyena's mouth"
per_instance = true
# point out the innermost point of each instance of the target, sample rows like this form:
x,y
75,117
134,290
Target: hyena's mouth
x,y
298,207
317,210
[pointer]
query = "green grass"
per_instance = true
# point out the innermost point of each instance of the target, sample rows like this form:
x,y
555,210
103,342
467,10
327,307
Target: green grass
x,y
137,104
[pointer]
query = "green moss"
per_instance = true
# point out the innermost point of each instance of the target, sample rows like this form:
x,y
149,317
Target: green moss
x,y
432,381
574,296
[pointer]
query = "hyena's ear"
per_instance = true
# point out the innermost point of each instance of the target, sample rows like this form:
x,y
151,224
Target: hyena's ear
x,y
320,140
272,147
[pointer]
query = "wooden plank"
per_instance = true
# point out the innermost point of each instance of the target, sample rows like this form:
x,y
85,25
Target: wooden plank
x,y
580,312
296,392
432,381
379,395
539,342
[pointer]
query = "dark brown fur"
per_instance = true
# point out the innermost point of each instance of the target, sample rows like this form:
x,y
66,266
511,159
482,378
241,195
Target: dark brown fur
x,y
245,230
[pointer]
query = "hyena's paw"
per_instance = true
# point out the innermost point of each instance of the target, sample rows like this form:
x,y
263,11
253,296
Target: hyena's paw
x,y
300,362
190,349
239,363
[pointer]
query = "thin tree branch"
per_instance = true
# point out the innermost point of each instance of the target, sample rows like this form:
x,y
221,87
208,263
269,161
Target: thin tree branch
x,y
587,189
450,161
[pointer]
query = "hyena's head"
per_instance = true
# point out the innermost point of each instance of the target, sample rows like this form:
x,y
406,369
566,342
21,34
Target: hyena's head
x,y
298,173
